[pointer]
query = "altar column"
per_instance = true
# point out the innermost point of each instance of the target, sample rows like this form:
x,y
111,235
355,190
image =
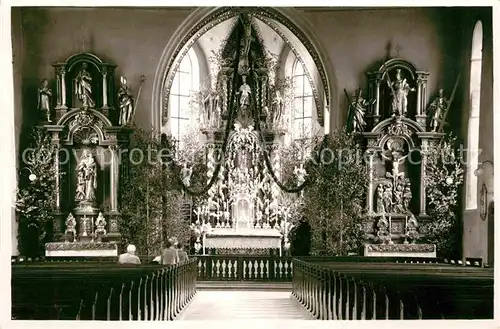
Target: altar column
x,y
104,69
369,197
423,164
420,116
374,93
114,181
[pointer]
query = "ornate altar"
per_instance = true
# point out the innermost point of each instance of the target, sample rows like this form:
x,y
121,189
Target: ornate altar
x,y
88,139
242,120
396,139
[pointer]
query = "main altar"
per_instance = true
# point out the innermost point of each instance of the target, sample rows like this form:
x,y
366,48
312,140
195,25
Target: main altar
x,y
243,122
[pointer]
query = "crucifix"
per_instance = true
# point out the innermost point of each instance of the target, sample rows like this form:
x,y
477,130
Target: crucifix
x,y
397,158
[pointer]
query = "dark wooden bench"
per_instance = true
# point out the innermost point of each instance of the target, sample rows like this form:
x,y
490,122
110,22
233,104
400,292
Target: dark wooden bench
x,y
374,290
101,290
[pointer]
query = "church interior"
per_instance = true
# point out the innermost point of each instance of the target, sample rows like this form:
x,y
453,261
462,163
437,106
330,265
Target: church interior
x,y
272,132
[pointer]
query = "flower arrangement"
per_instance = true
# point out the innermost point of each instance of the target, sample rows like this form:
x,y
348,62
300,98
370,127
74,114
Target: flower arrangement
x,y
444,178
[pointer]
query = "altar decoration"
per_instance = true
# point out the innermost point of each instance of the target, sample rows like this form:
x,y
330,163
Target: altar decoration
x,y
243,119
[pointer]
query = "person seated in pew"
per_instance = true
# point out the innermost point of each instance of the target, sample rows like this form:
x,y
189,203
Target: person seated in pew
x,y
183,256
129,257
170,255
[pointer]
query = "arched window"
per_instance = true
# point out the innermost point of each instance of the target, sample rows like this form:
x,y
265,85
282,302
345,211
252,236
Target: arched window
x,y
475,105
186,81
303,103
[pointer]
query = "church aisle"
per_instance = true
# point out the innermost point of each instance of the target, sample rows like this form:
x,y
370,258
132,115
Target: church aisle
x,y
243,305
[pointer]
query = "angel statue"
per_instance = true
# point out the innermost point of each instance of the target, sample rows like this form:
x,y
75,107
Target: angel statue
x,y
399,90
126,103
437,109
44,94
83,87
358,108
186,175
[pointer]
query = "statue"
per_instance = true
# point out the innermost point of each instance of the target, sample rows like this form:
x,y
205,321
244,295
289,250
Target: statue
x,y
44,94
301,174
388,198
437,109
277,107
87,173
358,108
412,228
244,93
407,197
398,199
399,90
80,186
186,175
246,41
396,159
83,87
380,199
126,103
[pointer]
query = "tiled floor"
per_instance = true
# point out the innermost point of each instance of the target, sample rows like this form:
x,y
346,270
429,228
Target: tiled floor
x,y
241,305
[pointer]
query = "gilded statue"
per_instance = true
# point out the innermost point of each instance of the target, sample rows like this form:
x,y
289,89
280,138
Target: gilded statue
x,y
126,102
399,91
44,95
87,177
437,109
359,107
83,87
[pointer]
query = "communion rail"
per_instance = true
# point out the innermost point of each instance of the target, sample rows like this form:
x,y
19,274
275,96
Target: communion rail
x,y
363,291
101,290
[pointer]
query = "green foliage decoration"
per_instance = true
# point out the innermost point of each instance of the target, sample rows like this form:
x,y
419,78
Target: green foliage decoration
x,y
150,196
444,179
35,200
334,197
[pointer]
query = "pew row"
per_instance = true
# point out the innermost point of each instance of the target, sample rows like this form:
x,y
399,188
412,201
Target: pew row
x,y
103,291
362,291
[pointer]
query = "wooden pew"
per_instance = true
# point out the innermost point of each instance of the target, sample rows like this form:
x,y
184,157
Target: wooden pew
x,y
374,290
101,291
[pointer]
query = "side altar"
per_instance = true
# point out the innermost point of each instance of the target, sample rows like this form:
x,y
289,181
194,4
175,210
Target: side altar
x,y
88,131
396,134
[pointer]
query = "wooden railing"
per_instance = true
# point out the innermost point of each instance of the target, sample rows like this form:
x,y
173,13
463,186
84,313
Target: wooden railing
x,y
359,291
101,291
244,268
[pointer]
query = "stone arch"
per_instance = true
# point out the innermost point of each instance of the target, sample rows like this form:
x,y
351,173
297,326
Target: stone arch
x,y
203,18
